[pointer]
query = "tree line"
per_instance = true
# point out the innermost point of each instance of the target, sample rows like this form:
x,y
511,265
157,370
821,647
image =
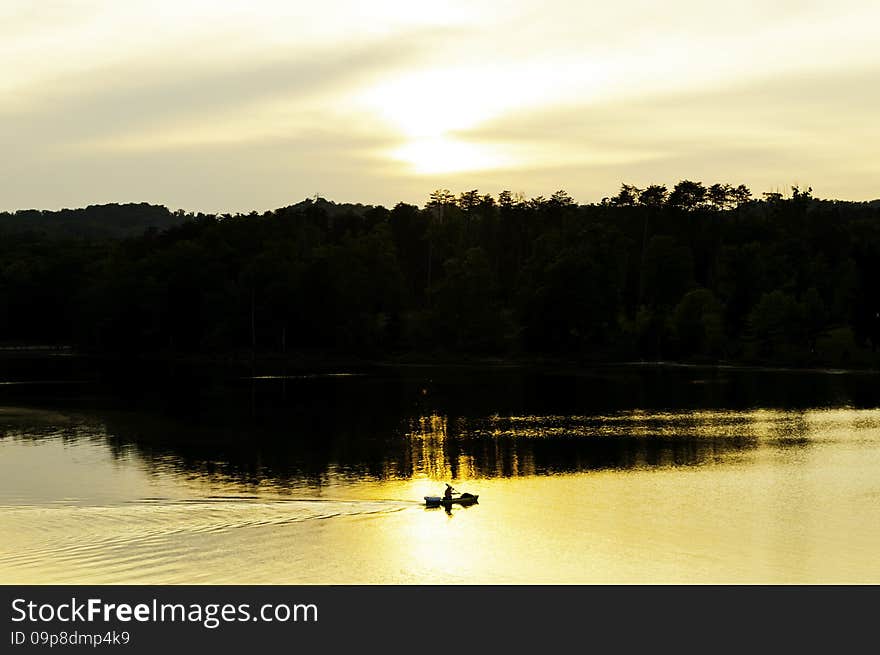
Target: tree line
x,y
695,272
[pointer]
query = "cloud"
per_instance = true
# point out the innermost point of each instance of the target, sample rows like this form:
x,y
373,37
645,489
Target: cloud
x,y
217,104
774,129
221,177
227,138
116,101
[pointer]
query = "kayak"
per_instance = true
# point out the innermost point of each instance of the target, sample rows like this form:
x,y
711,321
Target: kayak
x,y
438,501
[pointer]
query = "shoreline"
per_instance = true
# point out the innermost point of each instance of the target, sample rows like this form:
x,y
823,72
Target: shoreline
x,y
315,360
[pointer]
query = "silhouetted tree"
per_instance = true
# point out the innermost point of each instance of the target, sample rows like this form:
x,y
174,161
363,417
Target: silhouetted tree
x,y
654,195
699,324
627,196
741,195
687,195
698,272
721,196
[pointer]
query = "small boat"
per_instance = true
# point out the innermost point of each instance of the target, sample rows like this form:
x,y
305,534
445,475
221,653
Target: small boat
x,y
440,501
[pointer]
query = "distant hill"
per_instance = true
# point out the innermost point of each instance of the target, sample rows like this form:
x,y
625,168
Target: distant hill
x,y
113,221
120,221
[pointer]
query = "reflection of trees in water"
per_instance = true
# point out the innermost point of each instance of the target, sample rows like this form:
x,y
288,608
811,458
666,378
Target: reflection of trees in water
x,y
315,452
449,425
477,448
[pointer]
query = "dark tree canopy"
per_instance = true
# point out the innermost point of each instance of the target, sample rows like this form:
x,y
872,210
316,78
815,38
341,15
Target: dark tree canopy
x,y
701,272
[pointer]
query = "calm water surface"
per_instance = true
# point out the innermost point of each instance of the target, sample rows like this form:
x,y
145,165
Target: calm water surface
x,y
618,474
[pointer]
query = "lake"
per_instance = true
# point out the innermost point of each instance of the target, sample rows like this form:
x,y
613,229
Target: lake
x,y
612,474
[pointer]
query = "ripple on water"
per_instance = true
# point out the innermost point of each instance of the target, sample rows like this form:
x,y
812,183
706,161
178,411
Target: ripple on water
x,y
147,539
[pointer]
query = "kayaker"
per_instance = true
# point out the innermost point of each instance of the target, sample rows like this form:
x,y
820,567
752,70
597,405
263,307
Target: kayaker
x,y
447,495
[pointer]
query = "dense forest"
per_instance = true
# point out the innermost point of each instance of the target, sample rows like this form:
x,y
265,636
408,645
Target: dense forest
x,y
697,273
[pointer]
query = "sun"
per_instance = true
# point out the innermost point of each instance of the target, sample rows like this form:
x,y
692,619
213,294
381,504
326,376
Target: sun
x,y
444,154
428,103
430,111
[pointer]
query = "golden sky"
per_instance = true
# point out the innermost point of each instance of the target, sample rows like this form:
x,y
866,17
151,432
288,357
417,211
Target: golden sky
x,y
231,106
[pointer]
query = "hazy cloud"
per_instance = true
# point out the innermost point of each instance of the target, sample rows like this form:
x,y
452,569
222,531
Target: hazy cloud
x,y
225,105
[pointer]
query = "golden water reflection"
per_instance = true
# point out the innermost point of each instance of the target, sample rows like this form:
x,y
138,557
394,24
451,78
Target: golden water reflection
x,y
444,448
762,495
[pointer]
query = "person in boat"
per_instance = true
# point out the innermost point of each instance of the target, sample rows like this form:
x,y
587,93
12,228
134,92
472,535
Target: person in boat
x,y
447,495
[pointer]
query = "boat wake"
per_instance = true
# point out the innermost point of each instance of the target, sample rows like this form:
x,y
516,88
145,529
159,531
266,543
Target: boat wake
x,y
122,542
